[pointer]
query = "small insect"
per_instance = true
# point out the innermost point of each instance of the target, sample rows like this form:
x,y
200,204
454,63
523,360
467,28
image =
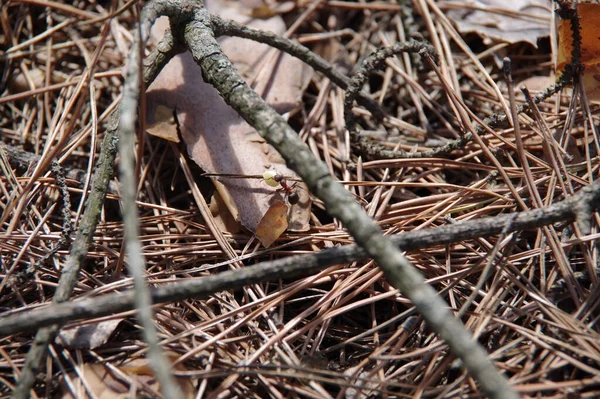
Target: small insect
x,y
273,179
279,181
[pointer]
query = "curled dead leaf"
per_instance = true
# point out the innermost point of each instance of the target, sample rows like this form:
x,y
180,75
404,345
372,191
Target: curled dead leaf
x,y
217,138
88,336
273,223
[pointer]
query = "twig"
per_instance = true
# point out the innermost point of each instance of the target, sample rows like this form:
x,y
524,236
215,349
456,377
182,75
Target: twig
x,y
19,157
231,28
136,262
564,212
79,248
65,234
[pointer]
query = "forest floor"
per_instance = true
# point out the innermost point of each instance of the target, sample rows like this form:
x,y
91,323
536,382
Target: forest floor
x,y
529,295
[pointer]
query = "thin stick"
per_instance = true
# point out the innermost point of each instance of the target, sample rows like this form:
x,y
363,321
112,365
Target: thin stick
x,y
565,211
127,171
85,233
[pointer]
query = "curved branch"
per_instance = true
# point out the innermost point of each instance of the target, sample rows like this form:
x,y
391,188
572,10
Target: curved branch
x,y
218,71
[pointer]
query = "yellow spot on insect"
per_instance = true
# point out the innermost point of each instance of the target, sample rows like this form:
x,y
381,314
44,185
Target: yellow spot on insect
x,y
269,176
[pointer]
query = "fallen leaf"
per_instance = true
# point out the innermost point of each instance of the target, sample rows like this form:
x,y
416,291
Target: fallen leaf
x,y
217,138
273,223
165,125
589,15
509,21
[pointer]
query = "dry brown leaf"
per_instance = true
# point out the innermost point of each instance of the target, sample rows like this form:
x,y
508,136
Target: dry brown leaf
x,y
589,15
273,224
509,21
104,385
218,139
165,125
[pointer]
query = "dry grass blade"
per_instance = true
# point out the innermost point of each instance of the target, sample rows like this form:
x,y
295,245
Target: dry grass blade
x,y
531,298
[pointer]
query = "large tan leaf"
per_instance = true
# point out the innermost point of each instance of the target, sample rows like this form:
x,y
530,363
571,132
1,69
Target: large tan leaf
x,y
503,20
220,141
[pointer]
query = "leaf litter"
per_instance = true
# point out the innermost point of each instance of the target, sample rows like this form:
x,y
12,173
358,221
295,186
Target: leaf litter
x,y
343,332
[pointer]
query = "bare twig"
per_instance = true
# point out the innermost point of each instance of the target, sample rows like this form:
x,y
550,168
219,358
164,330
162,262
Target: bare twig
x,y
85,233
136,263
565,211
